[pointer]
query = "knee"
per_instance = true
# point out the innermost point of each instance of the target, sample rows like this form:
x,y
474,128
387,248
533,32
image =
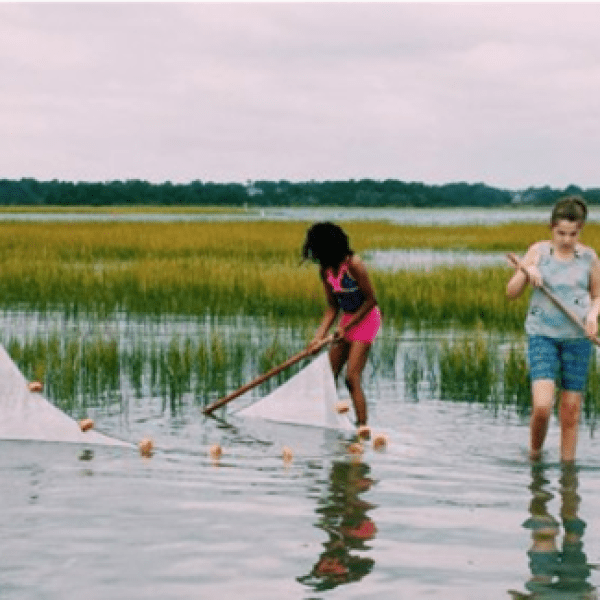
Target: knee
x,y
352,381
542,413
569,414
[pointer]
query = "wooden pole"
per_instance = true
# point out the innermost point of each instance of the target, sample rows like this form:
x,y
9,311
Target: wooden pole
x,y
265,376
517,263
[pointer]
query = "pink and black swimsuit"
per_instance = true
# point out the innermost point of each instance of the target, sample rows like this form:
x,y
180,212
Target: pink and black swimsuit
x,y
350,298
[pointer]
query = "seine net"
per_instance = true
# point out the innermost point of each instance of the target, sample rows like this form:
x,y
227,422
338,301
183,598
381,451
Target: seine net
x,y
29,416
308,398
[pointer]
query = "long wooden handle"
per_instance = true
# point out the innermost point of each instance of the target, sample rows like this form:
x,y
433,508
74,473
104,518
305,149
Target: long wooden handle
x,y
517,263
265,376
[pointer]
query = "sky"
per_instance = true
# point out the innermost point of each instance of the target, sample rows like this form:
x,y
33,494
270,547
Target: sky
x,y
505,94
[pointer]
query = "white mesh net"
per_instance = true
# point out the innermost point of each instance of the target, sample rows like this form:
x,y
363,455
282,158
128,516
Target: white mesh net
x,y
29,416
308,398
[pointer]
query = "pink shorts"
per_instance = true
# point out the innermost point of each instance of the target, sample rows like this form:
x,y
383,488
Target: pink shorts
x,y
366,330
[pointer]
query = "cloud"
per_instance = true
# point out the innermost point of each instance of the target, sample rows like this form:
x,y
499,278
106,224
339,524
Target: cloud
x,y
500,93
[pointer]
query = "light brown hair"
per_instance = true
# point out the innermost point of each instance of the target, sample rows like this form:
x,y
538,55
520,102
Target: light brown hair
x,y
569,208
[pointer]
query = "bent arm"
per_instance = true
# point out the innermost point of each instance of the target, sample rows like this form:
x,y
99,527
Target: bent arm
x,y
591,321
518,282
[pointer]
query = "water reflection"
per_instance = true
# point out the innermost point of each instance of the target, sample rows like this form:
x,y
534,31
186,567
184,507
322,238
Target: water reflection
x,y
343,516
559,568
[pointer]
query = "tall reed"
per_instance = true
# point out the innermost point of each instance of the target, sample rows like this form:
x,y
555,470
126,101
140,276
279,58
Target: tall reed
x,y
467,370
82,374
233,268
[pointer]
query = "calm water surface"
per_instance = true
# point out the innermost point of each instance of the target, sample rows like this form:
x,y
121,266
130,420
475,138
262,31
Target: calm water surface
x,y
451,509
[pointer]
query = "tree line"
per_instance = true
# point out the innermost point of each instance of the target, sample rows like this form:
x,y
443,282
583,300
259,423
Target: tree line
x,y
364,192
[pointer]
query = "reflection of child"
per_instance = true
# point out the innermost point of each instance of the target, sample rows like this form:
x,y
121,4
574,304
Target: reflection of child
x,y
343,515
571,271
348,288
556,573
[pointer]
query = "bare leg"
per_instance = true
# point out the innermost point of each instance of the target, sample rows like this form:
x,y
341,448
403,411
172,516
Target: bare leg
x,y
543,401
338,355
570,407
357,359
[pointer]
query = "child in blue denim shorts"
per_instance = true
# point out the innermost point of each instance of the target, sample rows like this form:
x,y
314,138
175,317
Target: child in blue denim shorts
x,y
558,349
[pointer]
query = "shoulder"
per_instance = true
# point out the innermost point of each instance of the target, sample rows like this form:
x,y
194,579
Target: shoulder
x,y
535,251
357,268
587,251
541,247
355,263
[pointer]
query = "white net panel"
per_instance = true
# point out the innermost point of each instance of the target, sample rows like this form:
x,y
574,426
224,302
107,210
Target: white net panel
x,y
308,398
28,416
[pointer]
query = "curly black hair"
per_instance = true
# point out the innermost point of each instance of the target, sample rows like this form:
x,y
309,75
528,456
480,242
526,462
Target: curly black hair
x,y
327,244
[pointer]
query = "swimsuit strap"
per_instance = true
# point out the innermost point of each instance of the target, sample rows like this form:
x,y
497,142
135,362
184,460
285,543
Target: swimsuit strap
x,y
336,281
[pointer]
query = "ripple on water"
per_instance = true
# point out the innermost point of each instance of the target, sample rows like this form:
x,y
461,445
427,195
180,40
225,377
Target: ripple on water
x,y
438,514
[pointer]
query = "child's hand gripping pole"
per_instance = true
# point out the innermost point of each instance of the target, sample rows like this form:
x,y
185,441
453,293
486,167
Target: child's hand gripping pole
x,y
519,265
274,371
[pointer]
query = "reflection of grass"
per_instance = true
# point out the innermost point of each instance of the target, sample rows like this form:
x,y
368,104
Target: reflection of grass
x,y
247,268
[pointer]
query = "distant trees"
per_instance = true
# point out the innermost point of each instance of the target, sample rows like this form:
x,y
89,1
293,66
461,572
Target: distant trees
x,y
364,192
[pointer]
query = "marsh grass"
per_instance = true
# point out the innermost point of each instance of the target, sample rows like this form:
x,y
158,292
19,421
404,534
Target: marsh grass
x,y
87,373
516,383
90,269
467,370
76,374
475,369
247,268
83,373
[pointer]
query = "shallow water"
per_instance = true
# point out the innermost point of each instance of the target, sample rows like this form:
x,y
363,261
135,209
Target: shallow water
x,y
446,511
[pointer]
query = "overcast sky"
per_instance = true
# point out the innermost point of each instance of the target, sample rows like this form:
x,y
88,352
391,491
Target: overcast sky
x,y
504,94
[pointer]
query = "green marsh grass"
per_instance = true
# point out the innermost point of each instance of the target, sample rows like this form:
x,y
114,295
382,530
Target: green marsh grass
x,y
92,269
86,373
468,370
248,268
516,383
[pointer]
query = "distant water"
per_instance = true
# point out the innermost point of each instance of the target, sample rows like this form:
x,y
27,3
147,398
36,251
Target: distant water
x,y
405,216
426,259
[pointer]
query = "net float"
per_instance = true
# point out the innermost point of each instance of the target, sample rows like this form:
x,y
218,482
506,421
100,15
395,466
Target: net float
x,y
364,432
342,407
86,424
215,451
146,446
380,441
356,448
35,386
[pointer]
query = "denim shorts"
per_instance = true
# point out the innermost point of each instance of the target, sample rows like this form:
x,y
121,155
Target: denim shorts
x,y
565,361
